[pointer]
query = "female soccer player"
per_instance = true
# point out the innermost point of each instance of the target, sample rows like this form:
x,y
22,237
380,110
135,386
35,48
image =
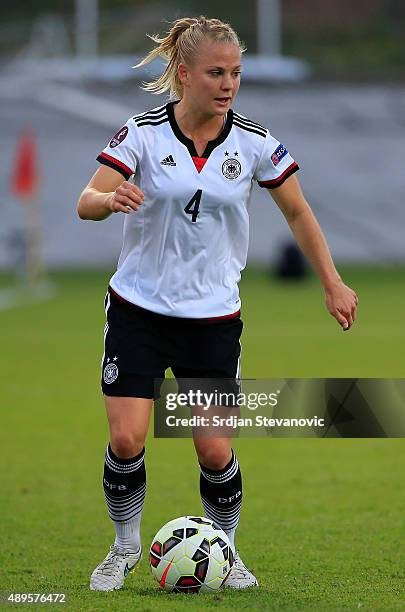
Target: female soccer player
x,y
174,301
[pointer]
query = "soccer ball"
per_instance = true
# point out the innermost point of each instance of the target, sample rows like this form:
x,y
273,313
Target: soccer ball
x,y
191,554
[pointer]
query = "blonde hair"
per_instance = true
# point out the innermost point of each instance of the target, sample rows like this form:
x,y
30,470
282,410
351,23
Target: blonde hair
x,y
180,45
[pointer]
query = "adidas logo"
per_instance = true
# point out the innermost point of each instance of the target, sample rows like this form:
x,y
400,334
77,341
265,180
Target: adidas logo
x,y
168,161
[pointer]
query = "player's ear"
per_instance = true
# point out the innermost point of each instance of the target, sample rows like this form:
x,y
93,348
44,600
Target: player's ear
x,y
182,72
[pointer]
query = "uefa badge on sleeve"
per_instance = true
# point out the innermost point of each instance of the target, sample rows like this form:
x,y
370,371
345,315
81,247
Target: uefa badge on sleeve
x,y
119,137
278,154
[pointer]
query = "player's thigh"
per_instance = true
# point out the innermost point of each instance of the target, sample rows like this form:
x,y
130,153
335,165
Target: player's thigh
x,y
134,352
128,420
213,367
210,350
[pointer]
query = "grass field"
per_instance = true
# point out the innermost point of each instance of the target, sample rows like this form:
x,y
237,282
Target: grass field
x,y
322,523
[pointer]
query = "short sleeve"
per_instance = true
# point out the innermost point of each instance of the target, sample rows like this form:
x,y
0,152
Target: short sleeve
x,y
123,150
275,164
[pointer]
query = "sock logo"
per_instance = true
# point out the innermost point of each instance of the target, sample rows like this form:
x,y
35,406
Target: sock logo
x,y
111,486
224,500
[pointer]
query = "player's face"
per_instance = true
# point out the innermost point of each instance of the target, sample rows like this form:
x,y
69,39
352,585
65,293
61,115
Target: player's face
x,y
212,81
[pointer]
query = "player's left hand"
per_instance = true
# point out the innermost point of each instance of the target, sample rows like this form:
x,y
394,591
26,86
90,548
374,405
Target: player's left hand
x,y
341,301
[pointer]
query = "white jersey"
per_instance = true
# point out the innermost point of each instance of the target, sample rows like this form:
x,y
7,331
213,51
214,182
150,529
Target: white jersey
x,y
184,249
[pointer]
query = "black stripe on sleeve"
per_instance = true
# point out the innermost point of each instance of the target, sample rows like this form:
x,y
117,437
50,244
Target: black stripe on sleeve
x,y
150,122
249,122
249,129
163,113
115,165
152,112
272,184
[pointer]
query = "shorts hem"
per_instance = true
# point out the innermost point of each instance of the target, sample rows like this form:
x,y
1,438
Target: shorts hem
x,y
121,394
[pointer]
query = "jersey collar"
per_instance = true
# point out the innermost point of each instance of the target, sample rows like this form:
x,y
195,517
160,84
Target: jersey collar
x,y
211,145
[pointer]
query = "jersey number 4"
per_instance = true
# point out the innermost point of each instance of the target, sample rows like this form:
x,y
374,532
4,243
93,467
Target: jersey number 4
x,y
193,206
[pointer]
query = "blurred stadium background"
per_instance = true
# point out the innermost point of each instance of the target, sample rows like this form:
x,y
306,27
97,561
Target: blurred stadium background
x,y
327,78
327,82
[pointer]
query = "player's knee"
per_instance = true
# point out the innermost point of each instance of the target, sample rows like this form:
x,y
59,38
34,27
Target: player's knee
x,y
126,445
214,458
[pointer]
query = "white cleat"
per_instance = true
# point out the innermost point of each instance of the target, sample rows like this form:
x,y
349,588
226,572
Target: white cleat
x,y
239,576
111,573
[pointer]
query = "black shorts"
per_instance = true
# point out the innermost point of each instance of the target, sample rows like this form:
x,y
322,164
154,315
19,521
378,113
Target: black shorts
x,y
140,345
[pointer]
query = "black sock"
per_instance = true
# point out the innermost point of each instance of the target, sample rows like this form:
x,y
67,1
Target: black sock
x,y
124,485
221,495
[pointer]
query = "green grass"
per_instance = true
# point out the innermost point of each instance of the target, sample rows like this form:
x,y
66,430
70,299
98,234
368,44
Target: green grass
x,y
322,521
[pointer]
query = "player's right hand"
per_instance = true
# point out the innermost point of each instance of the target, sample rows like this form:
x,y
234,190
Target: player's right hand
x,y
126,198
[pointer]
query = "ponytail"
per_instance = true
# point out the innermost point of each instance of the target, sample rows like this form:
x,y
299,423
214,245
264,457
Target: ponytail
x,y
180,45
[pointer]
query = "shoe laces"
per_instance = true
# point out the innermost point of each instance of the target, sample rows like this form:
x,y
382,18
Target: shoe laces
x,y
108,567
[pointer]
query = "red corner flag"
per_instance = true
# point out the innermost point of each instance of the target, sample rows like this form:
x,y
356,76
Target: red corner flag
x,y
25,178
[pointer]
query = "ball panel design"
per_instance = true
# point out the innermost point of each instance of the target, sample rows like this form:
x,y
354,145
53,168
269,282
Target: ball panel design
x,y
201,569
170,543
190,531
192,589
186,581
205,545
156,548
199,555
199,520
154,561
